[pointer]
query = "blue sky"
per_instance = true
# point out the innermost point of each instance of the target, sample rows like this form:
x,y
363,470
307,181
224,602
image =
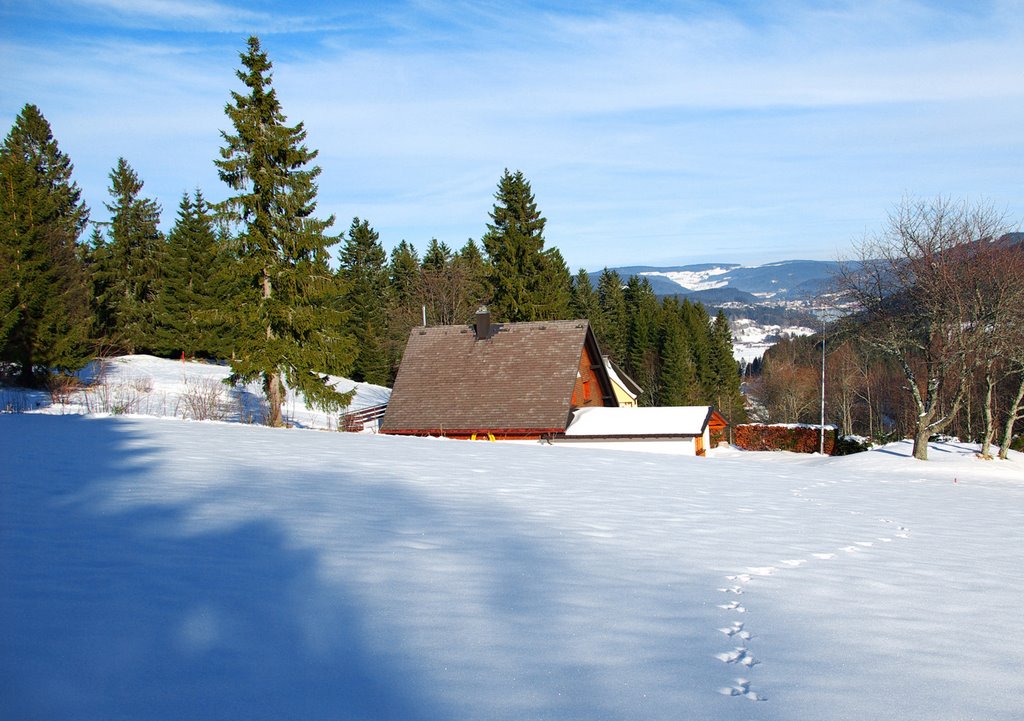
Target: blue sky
x,y
658,133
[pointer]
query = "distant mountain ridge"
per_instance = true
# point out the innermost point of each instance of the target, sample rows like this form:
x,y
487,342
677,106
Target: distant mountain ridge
x,y
718,284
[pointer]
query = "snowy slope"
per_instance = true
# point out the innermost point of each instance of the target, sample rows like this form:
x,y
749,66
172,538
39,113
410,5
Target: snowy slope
x,y
144,385
162,569
751,339
703,279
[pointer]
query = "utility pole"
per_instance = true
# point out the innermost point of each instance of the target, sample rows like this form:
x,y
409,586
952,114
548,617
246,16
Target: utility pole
x,y
821,428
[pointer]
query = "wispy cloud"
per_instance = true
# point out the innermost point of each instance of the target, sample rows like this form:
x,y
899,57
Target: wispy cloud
x,y
680,126
203,16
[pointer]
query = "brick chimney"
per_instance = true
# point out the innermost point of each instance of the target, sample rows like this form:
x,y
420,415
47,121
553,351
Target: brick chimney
x,y
483,323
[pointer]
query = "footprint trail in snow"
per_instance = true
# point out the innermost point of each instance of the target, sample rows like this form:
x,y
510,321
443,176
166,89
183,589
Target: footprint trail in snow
x,y
737,631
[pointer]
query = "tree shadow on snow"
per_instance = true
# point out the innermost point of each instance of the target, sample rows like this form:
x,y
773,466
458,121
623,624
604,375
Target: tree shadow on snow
x,y
107,613
133,593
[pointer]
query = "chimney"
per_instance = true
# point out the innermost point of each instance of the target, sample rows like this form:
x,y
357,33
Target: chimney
x,y
483,323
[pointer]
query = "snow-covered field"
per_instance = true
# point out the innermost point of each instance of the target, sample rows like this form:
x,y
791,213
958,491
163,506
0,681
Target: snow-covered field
x,y
144,385
154,568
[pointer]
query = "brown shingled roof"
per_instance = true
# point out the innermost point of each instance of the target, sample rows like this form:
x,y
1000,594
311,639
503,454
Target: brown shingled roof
x,y
519,379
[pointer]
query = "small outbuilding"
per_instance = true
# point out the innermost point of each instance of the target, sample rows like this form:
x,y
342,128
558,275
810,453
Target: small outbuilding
x,y
497,381
689,430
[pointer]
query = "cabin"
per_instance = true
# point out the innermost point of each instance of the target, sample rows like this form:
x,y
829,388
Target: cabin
x,y
626,389
500,381
689,430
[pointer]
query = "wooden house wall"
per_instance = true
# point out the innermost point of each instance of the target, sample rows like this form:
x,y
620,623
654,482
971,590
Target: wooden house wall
x,y
587,391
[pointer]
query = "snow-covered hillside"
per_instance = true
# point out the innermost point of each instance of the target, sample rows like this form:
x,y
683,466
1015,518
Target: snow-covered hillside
x,y
161,569
752,339
704,279
144,385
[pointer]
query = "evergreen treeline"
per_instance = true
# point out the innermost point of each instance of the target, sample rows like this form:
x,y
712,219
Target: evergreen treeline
x,y
674,351
249,279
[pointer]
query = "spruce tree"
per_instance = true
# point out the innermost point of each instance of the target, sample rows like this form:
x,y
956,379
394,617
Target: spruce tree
x,y
642,359
190,306
126,265
698,328
403,272
584,303
554,287
362,268
290,322
472,268
678,384
438,287
405,311
437,256
611,333
514,243
727,394
44,296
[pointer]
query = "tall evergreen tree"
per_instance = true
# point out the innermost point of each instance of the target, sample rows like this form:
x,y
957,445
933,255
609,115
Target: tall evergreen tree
x,y
611,332
403,271
363,270
438,255
126,270
678,380
726,393
584,302
439,288
405,313
642,360
515,243
193,294
44,296
697,323
291,326
473,269
554,287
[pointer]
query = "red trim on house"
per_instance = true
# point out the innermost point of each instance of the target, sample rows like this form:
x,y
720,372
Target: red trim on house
x,y
500,434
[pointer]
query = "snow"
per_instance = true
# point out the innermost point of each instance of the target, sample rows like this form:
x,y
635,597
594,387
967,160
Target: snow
x,y
165,569
695,280
144,385
751,339
617,380
597,421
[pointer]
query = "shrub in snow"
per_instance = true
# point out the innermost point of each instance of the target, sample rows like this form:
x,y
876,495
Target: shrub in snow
x,y
845,445
203,400
62,387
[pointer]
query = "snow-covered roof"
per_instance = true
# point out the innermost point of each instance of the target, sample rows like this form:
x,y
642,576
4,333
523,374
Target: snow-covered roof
x,y
666,420
619,378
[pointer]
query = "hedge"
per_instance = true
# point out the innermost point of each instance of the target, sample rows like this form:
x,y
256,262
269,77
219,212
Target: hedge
x,y
796,438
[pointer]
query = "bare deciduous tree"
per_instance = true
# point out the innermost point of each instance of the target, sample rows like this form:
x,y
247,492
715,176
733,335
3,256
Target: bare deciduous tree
x,y
913,285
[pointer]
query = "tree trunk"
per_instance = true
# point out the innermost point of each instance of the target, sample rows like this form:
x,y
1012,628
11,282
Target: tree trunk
x,y
26,378
921,441
989,430
1011,417
274,400
273,377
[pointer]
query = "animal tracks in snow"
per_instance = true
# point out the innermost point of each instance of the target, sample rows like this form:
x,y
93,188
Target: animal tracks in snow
x,y
741,688
741,655
734,606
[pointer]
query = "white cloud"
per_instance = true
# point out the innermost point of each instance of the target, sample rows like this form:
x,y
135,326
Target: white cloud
x,y
682,132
